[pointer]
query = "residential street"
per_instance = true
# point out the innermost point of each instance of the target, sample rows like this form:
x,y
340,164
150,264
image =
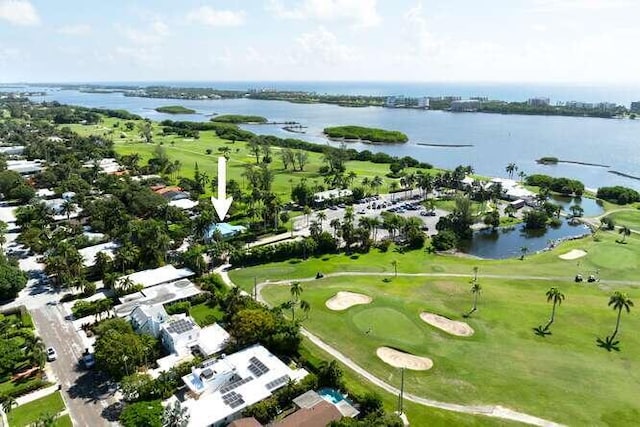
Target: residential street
x,y
90,398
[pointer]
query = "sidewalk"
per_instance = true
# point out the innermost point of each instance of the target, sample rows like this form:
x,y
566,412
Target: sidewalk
x,y
36,394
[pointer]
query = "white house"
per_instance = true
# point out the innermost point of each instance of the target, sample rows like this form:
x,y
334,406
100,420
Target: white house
x,y
220,389
157,276
147,319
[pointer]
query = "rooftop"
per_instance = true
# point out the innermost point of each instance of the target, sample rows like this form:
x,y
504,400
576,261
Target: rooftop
x,y
226,229
156,276
185,204
161,294
319,415
89,253
248,376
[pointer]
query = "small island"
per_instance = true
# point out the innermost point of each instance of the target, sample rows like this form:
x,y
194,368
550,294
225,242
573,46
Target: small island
x,y
175,109
238,118
554,161
365,134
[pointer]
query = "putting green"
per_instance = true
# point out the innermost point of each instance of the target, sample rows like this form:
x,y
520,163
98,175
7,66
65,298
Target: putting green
x,y
619,254
388,325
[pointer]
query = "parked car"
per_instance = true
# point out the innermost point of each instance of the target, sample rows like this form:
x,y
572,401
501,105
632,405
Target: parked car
x,y
362,212
51,354
88,360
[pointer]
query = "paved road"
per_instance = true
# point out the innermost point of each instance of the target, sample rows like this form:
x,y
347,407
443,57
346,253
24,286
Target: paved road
x,y
88,396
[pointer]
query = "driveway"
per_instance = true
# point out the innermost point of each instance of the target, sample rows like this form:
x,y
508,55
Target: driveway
x,y
89,396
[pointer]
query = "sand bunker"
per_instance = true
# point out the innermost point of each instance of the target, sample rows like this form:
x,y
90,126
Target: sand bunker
x,y
452,327
343,300
573,254
399,359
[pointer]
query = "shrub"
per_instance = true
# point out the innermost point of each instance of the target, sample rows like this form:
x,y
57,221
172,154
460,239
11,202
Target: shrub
x,y
179,307
618,194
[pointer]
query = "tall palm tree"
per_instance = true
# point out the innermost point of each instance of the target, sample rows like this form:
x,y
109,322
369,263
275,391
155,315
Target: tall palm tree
x,y
307,213
510,169
321,217
475,290
67,208
625,231
394,263
335,224
376,183
392,188
618,301
306,308
296,291
556,297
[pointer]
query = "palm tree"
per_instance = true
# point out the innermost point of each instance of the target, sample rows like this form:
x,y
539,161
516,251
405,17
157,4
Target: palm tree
x,y
618,301
67,208
335,224
523,252
321,216
306,308
307,212
376,183
47,419
475,290
392,188
522,175
625,231
510,169
394,263
3,231
175,415
7,403
553,295
296,291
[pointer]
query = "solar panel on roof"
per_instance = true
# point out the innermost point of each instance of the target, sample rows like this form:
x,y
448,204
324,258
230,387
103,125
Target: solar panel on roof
x,y
233,399
235,384
179,326
257,368
277,382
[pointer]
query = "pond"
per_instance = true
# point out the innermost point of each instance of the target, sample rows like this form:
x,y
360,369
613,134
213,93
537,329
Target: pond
x,y
507,242
592,207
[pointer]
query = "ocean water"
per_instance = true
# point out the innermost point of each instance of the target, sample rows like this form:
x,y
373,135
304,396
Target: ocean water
x,y
495,139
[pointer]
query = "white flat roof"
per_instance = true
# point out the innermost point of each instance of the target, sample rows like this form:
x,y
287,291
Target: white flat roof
x,y
211,408
184,203
213,339
8,214
89,253
156,276
161,294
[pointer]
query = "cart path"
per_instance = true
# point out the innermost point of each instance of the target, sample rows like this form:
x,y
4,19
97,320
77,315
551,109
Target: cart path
x,y
494,411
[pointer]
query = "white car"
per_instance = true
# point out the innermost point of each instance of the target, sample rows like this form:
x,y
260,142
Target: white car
x,y
51,354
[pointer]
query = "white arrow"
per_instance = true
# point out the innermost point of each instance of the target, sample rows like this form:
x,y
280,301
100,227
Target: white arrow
x,y
222,203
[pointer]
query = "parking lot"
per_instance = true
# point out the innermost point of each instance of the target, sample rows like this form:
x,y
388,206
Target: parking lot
x,y
406,205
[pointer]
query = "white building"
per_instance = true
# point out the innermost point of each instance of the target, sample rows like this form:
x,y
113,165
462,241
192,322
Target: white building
x,y
220,389
538,102
147,319
157,276
159,294
89,253
466,105
25,167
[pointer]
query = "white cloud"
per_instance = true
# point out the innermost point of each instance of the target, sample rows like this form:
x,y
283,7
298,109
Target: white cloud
x,y
75,30
576,5
207,15
361,13
19,12
154,33
321,46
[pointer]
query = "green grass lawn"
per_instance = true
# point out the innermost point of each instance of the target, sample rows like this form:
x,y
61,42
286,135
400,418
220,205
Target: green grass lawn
x,y
418,415
614,261
28,413
630,218
205,315
504,362
64,421
191,151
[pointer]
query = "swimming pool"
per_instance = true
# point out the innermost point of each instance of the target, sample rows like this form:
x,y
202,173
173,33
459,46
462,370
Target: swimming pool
x,y
331,395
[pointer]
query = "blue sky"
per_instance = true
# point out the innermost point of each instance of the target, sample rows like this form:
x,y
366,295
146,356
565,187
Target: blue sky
x,y
578,41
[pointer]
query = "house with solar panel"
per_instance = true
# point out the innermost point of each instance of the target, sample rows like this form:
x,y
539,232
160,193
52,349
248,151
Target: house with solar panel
x,y
220,389
179,334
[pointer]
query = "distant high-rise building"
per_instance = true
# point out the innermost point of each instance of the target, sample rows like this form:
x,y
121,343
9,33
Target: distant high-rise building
x,y
635,107
538,102
423,102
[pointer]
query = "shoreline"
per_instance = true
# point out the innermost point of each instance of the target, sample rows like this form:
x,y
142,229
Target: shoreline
x,y
427,144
